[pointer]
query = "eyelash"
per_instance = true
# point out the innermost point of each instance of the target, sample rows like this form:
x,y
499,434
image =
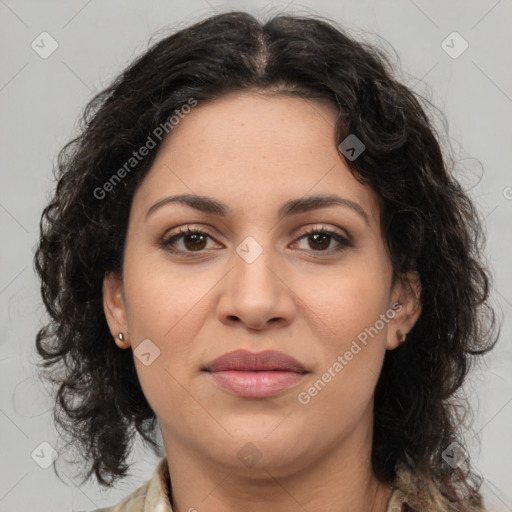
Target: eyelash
x,y
166,243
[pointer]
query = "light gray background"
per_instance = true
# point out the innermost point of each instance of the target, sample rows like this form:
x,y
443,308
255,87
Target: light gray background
x,y
40,101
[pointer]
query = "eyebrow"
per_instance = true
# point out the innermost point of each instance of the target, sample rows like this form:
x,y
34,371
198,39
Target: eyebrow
x,y
291,207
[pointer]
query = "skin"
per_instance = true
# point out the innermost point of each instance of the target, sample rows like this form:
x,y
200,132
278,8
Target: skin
x,y
253,152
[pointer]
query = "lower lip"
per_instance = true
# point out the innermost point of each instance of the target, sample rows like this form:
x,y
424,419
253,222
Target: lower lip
x,y
262,384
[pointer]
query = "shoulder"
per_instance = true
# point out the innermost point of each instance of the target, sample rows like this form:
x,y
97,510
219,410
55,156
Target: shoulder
x,y
153,495
134,502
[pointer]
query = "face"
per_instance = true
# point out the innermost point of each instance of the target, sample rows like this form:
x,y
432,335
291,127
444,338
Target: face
x,y
255,278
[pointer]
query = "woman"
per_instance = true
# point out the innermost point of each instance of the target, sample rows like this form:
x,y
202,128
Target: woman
x,y
256,246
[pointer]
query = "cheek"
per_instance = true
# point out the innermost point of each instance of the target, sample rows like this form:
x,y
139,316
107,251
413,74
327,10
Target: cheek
x,y
160,307
158,297
352,343
346,300
347,312
167,305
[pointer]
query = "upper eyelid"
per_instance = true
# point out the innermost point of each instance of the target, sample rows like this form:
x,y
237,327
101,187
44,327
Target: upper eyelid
x,y
186,229
183,230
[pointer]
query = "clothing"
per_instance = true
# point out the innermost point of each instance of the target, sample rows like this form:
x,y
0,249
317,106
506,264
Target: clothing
x,y
153,496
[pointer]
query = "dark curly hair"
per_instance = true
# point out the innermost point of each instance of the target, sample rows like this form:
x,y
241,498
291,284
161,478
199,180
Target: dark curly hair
x,y
429,222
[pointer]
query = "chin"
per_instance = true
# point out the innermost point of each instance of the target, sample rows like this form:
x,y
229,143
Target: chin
x,y
261,448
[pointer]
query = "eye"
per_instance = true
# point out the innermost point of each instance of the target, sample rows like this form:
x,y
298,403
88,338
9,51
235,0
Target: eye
x,y
319,239
195,241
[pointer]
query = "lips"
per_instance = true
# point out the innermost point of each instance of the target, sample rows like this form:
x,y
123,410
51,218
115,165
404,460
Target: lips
x,y
243,360
255,375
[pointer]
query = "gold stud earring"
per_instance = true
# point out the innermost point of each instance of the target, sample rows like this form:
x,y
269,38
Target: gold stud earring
x,y
401,336
121,338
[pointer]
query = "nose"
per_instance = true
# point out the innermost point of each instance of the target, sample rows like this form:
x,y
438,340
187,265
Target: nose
x,y
255,292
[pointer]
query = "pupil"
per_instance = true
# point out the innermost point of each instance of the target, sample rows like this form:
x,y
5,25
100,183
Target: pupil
x,y
196,239
325,237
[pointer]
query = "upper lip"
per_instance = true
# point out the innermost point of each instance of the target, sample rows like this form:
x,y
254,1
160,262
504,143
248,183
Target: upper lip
x,y
244,360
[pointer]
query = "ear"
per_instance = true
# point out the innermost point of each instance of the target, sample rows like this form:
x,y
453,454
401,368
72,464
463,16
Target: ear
x,y
407,307
115,308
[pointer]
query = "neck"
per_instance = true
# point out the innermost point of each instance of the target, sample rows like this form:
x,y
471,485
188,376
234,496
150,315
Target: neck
x,y
340,480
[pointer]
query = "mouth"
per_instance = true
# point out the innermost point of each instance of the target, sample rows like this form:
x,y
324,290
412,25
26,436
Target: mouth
x,y
255,375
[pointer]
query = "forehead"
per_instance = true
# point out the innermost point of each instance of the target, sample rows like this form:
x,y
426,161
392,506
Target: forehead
x,y
254,151
257,120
